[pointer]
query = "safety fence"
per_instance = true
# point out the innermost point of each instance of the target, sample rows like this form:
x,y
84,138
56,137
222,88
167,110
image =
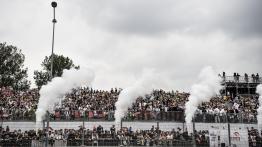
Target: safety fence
x,y
100,142
205,134
15,143
132,142
173,116
243,79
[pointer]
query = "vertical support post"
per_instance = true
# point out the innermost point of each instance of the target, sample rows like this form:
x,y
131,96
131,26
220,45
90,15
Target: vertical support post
x,y
83,131
43,143
225,89
229,138
237,88
1,125
2,121
43,124
183,127
121,124
121,131
248,88
47,128
193,137
157,129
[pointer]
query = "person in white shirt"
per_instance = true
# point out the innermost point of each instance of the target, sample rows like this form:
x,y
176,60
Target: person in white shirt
x,y
169,138
222,115
235,105
210,114
216,113
94,139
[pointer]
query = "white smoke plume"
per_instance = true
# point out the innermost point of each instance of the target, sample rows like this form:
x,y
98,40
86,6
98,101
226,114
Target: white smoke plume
x,y
59,86
259,110
208,86
141,87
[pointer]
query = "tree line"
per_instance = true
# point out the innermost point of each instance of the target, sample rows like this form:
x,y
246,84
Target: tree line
x,y
13,72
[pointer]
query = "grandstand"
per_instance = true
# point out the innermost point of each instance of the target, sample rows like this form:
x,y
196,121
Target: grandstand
x,y
240,85
86,117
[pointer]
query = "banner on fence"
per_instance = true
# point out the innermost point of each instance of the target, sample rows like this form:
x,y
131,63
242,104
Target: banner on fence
x,y
218,136
239,136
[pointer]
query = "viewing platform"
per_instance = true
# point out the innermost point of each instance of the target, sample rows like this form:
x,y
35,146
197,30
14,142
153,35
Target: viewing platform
x,y
241,79
240,85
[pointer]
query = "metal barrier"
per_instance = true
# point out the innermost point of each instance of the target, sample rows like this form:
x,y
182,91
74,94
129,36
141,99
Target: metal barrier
x,y
172,116
132,142
102,142
14,142
226,118
242,79
159,138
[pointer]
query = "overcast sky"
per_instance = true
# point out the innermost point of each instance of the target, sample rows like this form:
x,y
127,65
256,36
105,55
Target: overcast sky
x,y
119,39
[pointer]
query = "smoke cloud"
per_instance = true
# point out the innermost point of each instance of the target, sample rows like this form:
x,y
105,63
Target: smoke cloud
x,y
141,87
208,86
259,110
59,86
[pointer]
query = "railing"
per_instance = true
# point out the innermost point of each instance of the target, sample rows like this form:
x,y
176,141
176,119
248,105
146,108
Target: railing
x,y
174,116
226,118
251,142
242,79
179,138
76,115
15,142
104,142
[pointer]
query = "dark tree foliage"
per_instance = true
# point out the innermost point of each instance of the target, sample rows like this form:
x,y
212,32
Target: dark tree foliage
x,y
59,64
12,72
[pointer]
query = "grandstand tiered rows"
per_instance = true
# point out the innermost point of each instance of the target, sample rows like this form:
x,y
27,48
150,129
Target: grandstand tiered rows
x,y
156,119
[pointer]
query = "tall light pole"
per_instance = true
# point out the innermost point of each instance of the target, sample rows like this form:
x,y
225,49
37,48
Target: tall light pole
x,y
54,5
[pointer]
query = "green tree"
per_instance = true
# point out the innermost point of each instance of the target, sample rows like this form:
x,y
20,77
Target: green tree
x,y
12,72
59,64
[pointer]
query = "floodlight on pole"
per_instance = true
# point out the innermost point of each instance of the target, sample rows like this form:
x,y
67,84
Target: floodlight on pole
x,y
54,5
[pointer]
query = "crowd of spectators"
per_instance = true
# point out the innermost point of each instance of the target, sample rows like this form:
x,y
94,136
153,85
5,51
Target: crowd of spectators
x,y
254,138
86,103
95,104
16,105
99,136
232,109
